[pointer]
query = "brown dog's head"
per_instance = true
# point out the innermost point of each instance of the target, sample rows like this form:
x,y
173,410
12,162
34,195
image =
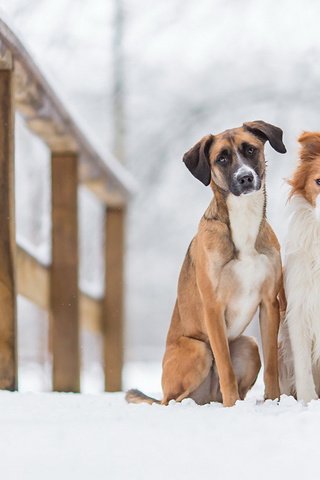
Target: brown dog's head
x,y
306,178
234,159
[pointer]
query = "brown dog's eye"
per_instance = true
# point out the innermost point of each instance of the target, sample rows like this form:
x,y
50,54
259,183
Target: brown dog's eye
x,y
222,159
318,181
250,150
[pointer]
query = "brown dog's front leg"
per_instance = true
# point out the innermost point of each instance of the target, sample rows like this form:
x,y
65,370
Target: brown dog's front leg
x,y
216,329
269,325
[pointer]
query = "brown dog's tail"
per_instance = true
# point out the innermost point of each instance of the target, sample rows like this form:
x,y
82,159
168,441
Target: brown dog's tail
x,y
135,396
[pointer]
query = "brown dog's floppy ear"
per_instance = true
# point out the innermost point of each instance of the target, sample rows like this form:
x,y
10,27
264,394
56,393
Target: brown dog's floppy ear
x,y
197,159
266,131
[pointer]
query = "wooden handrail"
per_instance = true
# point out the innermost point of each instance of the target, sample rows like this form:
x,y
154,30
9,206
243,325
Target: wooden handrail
x,y
54,287
46,116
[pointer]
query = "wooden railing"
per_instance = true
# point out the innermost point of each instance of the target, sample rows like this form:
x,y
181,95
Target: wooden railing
x,y
55,288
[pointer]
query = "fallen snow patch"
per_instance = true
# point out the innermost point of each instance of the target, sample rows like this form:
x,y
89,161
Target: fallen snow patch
x,y
62,436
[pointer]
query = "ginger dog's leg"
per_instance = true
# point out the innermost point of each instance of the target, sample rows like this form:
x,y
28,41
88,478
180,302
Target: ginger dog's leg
x,y
269,325
302,357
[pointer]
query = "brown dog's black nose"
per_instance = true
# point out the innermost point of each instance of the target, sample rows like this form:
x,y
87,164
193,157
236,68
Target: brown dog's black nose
x,y
246,179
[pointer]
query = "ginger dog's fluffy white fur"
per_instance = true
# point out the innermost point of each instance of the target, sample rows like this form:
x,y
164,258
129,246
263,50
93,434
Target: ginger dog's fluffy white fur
x,y
300,332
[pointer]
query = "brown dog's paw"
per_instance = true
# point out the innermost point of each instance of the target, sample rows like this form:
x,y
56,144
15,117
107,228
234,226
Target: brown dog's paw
x,y
230,400
272,393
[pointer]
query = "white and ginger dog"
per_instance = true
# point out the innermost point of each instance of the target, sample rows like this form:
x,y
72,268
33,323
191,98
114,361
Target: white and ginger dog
x,y
300,330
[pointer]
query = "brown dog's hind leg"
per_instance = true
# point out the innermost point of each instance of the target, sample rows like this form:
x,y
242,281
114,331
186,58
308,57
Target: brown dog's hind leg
x,y
246,363
186,365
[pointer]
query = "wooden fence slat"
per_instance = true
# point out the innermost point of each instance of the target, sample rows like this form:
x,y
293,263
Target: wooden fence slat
x,y
64,303
8,356
113,298
33,282
91,313
32,279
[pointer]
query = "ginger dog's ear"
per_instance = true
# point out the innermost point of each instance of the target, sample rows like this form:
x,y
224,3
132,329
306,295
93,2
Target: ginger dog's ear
x,y
310,149
197,159
310,145
266,131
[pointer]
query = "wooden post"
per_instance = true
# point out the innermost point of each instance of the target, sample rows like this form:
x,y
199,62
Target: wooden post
x,y
8,311
64,305
113,298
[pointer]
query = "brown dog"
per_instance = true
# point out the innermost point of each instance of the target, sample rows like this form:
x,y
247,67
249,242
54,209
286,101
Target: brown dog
x,y
232,267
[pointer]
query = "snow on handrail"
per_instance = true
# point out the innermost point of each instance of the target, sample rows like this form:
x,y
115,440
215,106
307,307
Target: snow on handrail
x,y
47,117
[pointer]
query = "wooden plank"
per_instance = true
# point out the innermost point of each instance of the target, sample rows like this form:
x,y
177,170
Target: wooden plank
x,y
33,279
33,282
113,298
91,313
8,330
5,57
109,197
64,305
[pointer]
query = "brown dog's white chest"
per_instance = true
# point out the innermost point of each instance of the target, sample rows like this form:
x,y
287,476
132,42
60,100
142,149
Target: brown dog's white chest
x,y
245,274
249,274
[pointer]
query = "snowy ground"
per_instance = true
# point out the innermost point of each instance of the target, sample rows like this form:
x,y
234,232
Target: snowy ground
x,y
69,436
